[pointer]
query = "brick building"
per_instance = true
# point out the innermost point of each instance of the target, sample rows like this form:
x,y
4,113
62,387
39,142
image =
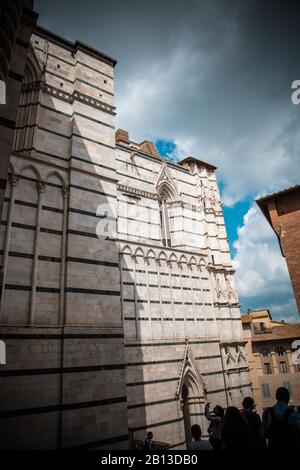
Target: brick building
x,y
282,211
270,351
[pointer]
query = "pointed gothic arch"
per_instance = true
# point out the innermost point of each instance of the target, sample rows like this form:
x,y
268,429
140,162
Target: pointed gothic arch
x,y
31,170
27,114
191,392
151,254
139,252
56,175
165,185
126,250
167,193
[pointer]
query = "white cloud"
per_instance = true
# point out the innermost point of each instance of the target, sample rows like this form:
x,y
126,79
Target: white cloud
x,y
262,276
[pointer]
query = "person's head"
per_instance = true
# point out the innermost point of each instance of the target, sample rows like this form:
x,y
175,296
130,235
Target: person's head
x,y
283,395
234,422
248,403
149,435
196,432
219,411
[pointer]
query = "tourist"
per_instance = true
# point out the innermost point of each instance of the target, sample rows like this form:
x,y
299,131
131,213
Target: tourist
x,y
255,424
235,430
148,443
197,443
281,423
214,430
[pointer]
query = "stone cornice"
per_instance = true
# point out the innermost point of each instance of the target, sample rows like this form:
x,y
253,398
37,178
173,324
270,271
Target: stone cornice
x,y
233,342
137,192
74,47
236,370
221,269
227,304
148,156
68,97
141,193
160,248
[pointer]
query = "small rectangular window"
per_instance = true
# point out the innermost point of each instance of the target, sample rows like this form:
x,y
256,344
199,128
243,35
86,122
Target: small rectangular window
x,y
265,390
288,386
262,326
283,367
267,368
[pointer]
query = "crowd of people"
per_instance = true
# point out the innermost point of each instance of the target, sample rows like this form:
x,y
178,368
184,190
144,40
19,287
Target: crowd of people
x,y
234,429
279,427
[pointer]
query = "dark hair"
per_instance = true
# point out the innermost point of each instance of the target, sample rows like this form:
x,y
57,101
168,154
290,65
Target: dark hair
x,y
235,429
282,394
149,434
219,411
248,402
196,432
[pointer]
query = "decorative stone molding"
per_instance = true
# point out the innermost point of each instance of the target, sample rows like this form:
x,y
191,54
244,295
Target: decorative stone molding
x,y
68,97
190,370
66,191
222,269
165,184
133,155
136,191
32,86
41,186
93,102
13,179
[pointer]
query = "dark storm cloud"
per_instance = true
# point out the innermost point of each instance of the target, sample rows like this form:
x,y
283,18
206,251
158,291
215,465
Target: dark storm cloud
x,y
213,76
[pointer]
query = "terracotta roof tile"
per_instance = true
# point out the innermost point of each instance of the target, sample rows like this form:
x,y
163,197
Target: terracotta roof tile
x,y
279,332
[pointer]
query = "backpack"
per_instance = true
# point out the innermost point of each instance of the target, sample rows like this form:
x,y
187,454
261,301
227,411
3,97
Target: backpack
x,y
281,434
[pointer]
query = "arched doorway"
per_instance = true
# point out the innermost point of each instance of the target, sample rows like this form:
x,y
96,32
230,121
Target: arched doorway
x,y
192,404
191,392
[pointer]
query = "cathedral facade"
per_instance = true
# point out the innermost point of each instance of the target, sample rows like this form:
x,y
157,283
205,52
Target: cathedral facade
x,y
118,308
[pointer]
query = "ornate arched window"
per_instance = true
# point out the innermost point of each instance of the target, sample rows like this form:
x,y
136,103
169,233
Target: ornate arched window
x,y
167,193
164,220
28,106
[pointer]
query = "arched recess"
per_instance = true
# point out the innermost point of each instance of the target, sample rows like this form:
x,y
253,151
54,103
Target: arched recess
x,y
173,259
126,250
150,254
20,240
162,256
183,259
192,260
126,257
28,107
167,193
202,265
51,253
191,392
139,252
163,200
